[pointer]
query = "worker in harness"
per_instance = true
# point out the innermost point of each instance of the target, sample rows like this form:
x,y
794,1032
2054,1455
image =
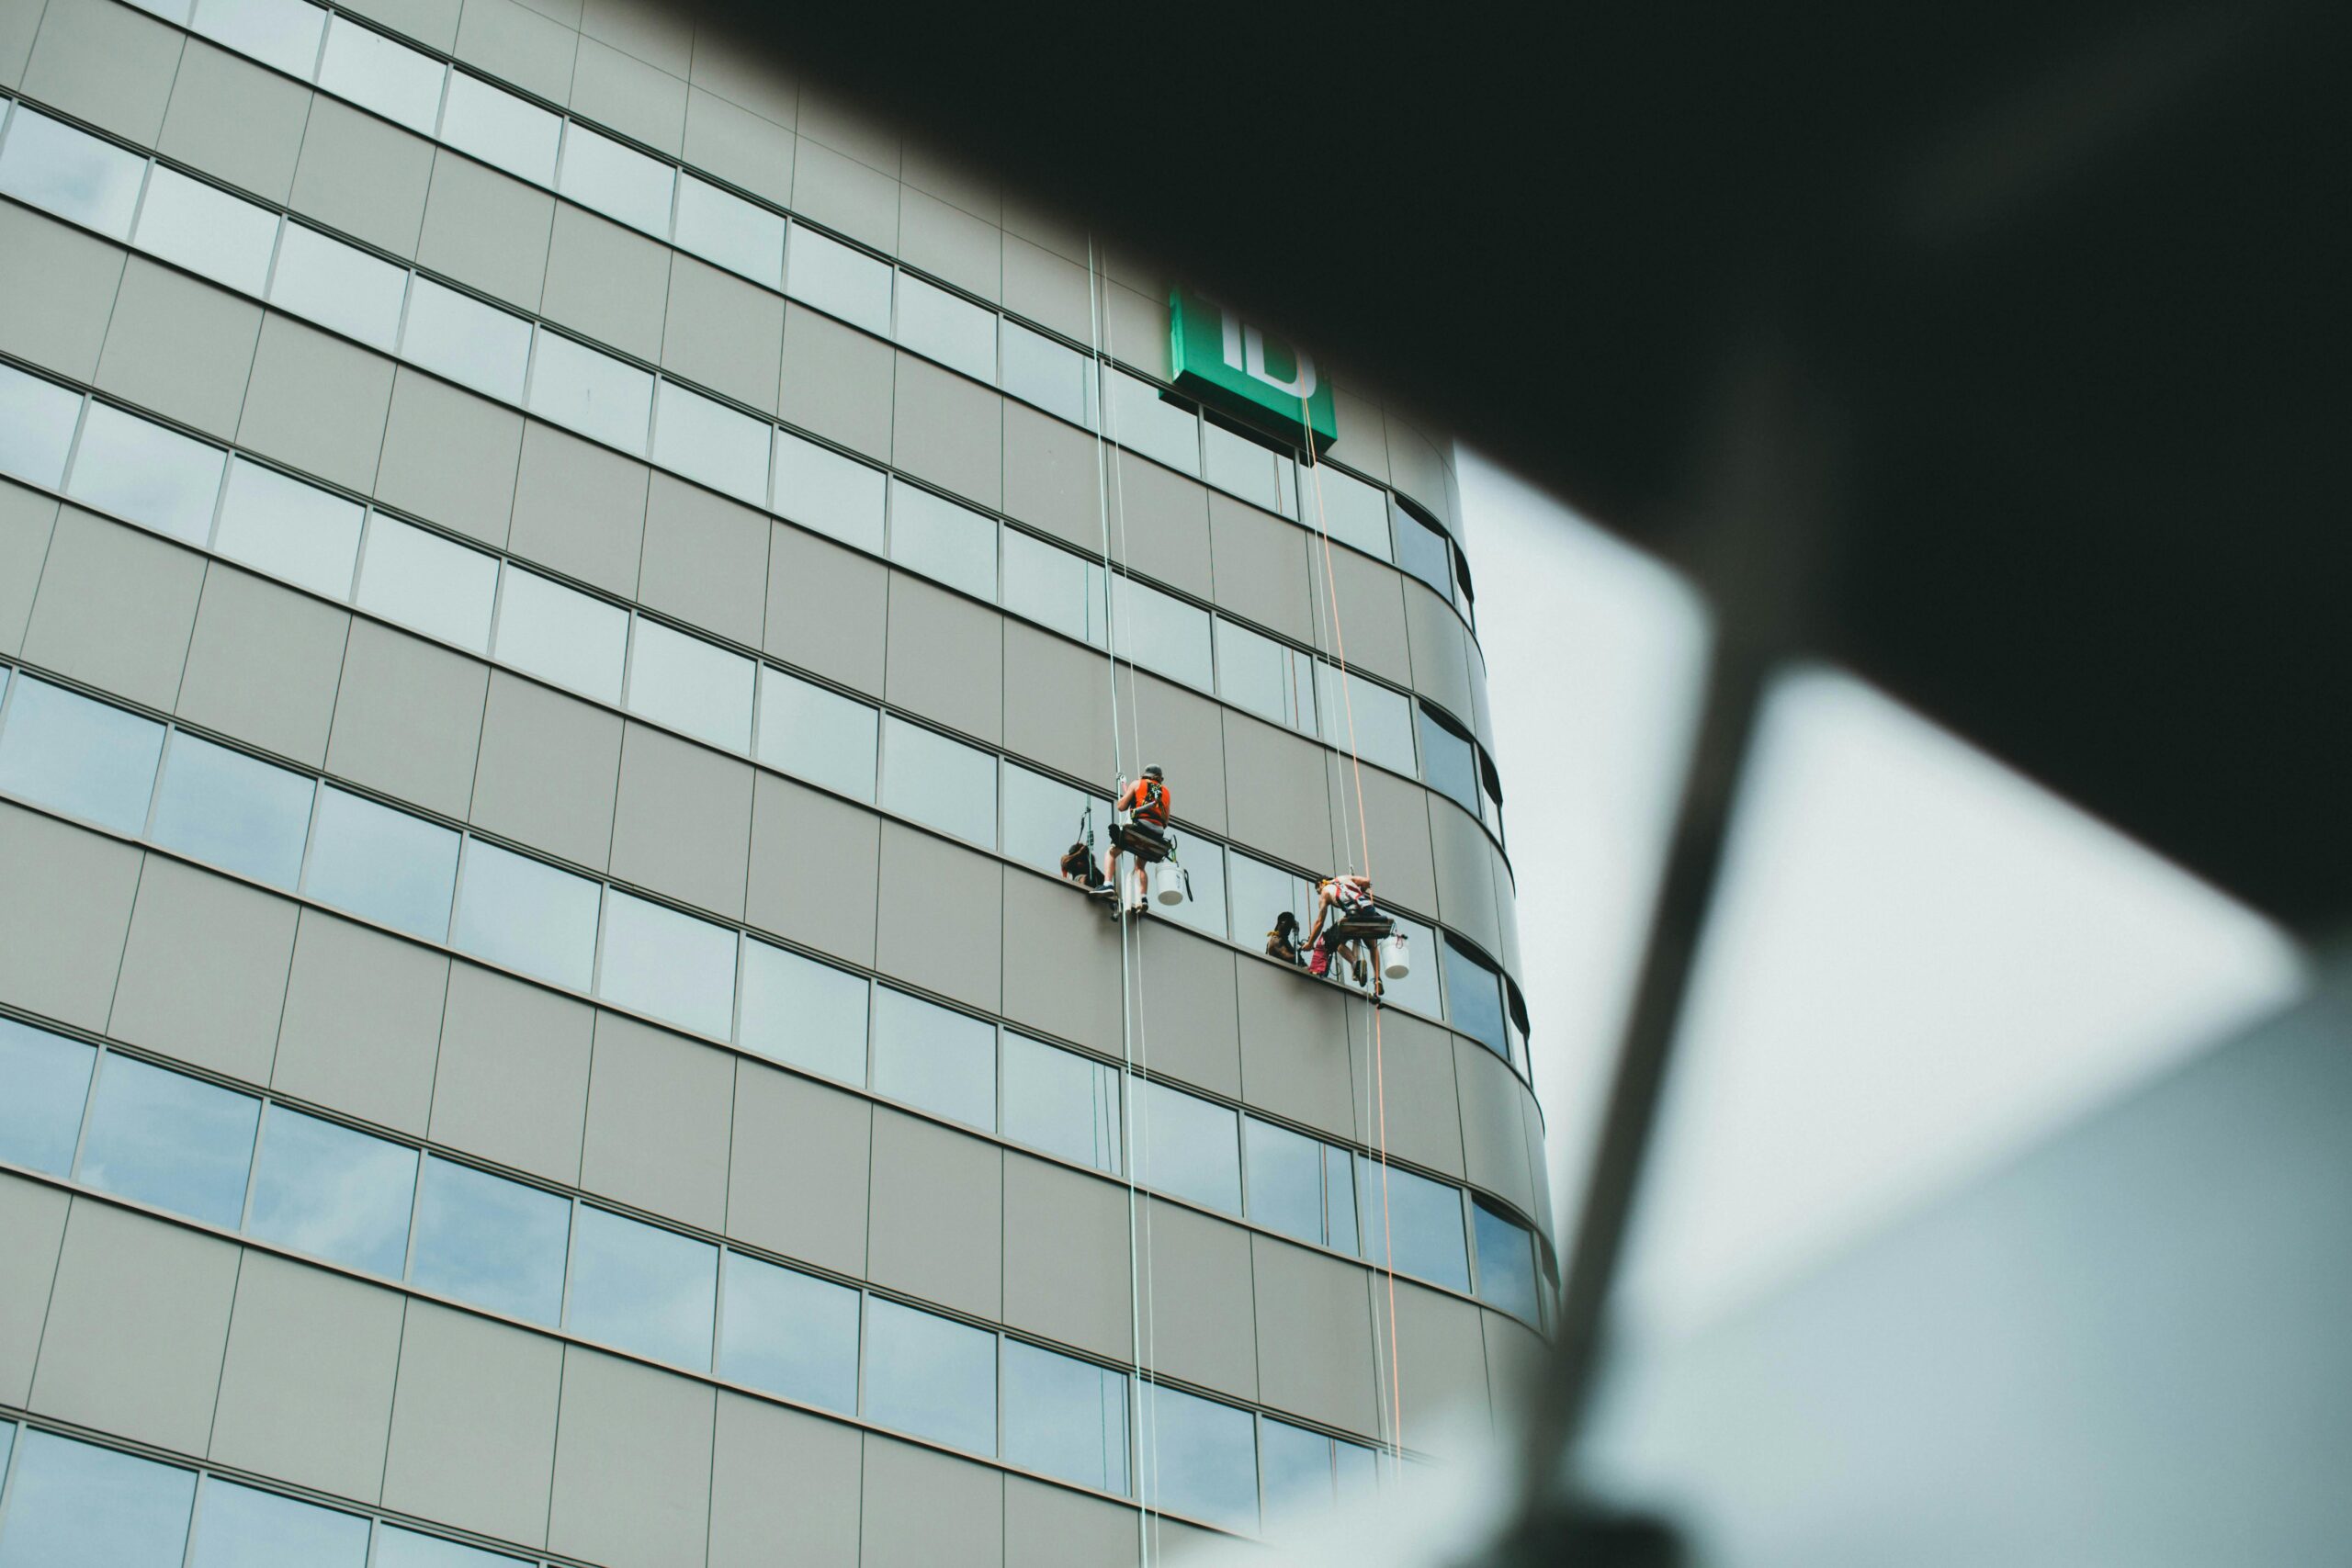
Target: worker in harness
x,y
1346,915
1282,942
1139,825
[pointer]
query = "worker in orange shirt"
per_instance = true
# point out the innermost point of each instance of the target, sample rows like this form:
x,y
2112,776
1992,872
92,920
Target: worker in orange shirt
x,y
1141,826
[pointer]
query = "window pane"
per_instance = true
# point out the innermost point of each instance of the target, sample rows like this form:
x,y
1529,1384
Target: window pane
x,y
789,1333
593,393
1379,719
170,1140
1448,765
1200,1457
501,129
954,332
1040,371
1261,891
78,1505
1351,510
1165,431
710,443
820,735
242,1528
1297,1467
951,544
1272,680
1054,587
618,181
332,1192
838,280
561,635
722,227
933,1057
206,231
1358,1469
283,33
150,476
1505,1262
1423,550
338,285
527,916
1062,1102
232,810
71,173
695,687
293,531
1161,632
930,1376
1203,863
1187,1146
941,783
397,1548
44,1079
1339,1200
831,493
669,965
1417,990
800,1012
1065,1417
37,420
1474,999
1238,466
1424,1221
1042,817
1285,1179
422,581
491,1242
373,71
642,1288
473,343
82,757
382,865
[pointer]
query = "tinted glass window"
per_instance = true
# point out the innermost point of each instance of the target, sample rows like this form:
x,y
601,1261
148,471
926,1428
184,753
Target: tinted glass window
x,y
425,581
1202,864
1062,1102
170,1140
1505,1262
817,733
1259,893
1353,511
294,531
375,72
672,967
386,865
1285,1179
206,231
233,810
332,1192
145,474
1417,990
501,129
561,635
491,1242
1162,633
1187,1146
338,285
929,1056
642,1288
954,332
1448,763
838,280
242,1528
77,1506
1376,720
1042,817
1238,466
593,393
473,343
708,441
789,1333
44,1079
37,420
1139,419
1474,999
1272,680
1200,1457
618,181
1298,1470
1424,1221
71,173
1423,550
800,1012
931,1376
527,916
1339,1199
931,534
1054,588
728,229
695,687
1065,1417
938,782
397,1548
833,494
1040,371
83,757
283,33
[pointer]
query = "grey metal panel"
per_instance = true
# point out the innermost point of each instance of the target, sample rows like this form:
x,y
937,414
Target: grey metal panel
x,y
740,145
651,30
1494,1135
1183,732
306,1388
263,663
362,175
105,63
180,347
1515,1356
431,22
1062,961
961,1520
706,559
950,243
1186,1006
235,120
1539,1163
408,717
27,520
617,89
204,970
473,1424
1160,523
1277,799
549,767
452,457
317,402
1371,601
1397,819
19,20
1441,653
1442,1376
843,194
815,868
137,1321
1466,874
579,509
484,228
681,824
1052,474
1058,704
1415,1063
363,1020
827,608
608,282
1198,1315
1263,567
1289,1026
937,1215
1362,442
32,1228
836,381
64,907
943,172
945,658
1046,288
1417,468
783,1484
797,1163
632,1464
949,431
519,45
513,1080
57,289
1046,1527
921,877
844,126
659,1106
1315,1339
1066,1256
723,333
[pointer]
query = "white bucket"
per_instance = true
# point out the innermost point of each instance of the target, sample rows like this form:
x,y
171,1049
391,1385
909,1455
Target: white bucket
x,y
1165,882
1395,962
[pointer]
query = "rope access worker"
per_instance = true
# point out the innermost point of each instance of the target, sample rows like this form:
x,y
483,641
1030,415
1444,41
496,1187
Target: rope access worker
x,y
1344,912
1282,942
1140,826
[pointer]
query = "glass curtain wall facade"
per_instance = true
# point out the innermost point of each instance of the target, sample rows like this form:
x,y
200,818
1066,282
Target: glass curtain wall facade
x,y
554,627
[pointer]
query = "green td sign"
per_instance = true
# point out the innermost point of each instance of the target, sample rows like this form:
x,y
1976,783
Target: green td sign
x,y
1224,361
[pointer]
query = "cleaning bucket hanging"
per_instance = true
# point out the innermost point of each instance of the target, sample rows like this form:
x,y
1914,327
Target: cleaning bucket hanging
x,y
1395,958
1165,881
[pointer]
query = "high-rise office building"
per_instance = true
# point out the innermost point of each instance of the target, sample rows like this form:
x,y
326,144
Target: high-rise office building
x,y
557,588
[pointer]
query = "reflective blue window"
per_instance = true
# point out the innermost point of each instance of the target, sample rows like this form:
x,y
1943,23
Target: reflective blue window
x,y
719,226
710,443
1259,893
830,493
501,129
288,529
1351,510
527,916
338,285
1040,371
170,1140
496,1243
1285,1179
424,581
944,327
1200,1457
283,33
1201,870
1419,989
1423,550
561,635
1062,1102
671,966
1271,679
1065,1417
696,688
44,1079
800,1012
1474,999
618,181
396,82
146,474
931,1376
397,1548
789,1333
1505,1262
78,1505
593,393
1162,632
1141,419
1377,721
206,231
1297,1466
71,173
332,1192
473,343
934,1057
1042,817
817,733
838,280
1423,1220
1339,1199
940,782
951,544
1448,764
232,810
242,1528
383,864
37,420
86,758
1187,1146
642,1288
1054,587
